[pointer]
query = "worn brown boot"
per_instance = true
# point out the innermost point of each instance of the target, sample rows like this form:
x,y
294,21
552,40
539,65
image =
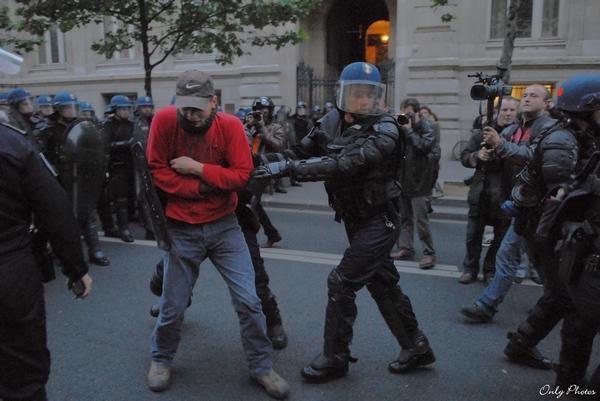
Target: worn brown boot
x,y
159,376
427,262
274,385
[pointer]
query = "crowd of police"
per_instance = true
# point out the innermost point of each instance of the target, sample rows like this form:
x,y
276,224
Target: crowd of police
x,y
540,167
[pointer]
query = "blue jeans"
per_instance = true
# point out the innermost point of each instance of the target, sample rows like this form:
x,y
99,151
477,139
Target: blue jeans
x,y
508,260
223,243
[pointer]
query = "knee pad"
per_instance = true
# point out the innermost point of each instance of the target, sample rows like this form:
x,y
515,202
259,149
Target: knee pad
x,y
339,291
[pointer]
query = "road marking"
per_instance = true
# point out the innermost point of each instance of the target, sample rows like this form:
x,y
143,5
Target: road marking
x,y
331,259
330,213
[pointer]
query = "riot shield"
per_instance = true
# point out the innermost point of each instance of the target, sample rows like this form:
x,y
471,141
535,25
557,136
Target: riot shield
x,y
84,147
150,200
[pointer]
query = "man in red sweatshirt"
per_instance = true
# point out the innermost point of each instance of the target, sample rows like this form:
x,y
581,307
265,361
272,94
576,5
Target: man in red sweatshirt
x,y
199,158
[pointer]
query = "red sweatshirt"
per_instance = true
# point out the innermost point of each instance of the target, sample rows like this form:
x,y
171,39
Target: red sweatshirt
x,y
223,150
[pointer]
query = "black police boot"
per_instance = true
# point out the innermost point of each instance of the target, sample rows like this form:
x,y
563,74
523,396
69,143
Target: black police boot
x,y
324,368
274,326
409,359
90,235
123,223
520,350
339,318
478,312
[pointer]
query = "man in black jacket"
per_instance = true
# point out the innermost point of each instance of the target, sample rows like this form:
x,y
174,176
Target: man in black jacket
x,y
27,188
486,193
417,181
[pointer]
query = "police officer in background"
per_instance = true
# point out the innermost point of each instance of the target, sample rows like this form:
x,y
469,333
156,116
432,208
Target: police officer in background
x,y
86,112
118,131
28,188
576,225
300,121
21,113
44,106
77,180
357,150
143,113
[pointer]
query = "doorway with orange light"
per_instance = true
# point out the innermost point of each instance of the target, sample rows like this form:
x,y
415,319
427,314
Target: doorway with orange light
x,y
357,30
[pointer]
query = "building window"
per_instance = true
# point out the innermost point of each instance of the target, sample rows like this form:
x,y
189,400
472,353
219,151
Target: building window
x,y
112,25
52,51
535,19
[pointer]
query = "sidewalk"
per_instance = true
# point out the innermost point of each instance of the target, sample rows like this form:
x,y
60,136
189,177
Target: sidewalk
x,y
312,195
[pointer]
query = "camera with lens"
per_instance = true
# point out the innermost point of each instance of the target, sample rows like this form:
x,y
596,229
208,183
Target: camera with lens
x,y
405,118
257,115
489,87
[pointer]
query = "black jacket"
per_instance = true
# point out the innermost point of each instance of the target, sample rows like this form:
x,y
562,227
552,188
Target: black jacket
x,y
418,166
486,190
28,188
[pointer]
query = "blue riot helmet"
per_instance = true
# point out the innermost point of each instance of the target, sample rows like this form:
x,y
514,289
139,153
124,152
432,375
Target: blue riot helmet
x,y
45,105
173,99
44,100
17,95
328,107
120,101
360,90
66,104
144,101
86,110
241,114
579,94
301,108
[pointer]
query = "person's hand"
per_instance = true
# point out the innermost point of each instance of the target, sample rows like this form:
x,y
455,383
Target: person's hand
x,y
186,165
271,170
491,137
484,154
82,287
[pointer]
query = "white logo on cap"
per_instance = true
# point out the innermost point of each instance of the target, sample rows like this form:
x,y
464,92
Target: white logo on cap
x,y
188,86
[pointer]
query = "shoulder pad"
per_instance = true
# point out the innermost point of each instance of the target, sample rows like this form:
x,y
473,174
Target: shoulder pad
x,y
386,126
20,131
559,136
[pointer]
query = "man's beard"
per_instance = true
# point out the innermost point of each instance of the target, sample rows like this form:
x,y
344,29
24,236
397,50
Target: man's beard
x,y
201,129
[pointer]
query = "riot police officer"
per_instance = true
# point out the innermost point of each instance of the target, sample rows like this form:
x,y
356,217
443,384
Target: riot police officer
x,y
27,188
44,106
21,112
577,224
558,153
86,112
300,121
80,171
118,131
358,151
143,113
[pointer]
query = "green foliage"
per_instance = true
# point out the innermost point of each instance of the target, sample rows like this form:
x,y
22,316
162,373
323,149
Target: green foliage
x,y
446,17
163,27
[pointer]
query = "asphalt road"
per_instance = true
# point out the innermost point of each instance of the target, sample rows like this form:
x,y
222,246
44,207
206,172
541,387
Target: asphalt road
x,y
100,346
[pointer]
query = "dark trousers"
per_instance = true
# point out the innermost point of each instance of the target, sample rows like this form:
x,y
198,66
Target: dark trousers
x,y
267,298
554,305
367,262
24,356
270,231
475,228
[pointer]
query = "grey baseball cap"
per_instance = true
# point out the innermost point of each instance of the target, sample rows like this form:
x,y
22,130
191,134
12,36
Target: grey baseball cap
x,y
194,89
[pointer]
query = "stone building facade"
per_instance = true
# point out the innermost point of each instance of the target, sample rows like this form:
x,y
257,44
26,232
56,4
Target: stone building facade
x,y
423,57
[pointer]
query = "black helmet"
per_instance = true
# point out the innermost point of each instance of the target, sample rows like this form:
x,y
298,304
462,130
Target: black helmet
x,y
262,102
580,93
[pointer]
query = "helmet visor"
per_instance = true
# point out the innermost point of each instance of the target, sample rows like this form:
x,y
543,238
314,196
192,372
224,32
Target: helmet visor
x,y
361,97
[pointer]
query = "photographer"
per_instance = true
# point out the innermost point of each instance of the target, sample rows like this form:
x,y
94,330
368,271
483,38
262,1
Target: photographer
x,y
417,181
486,192
265,135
